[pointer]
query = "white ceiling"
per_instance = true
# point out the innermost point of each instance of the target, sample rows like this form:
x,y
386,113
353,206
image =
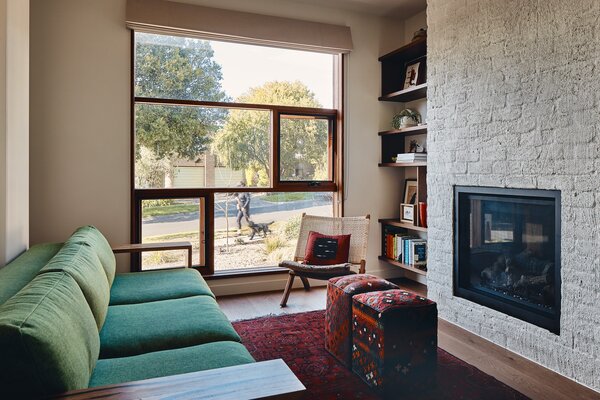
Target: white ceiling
x,y
389,8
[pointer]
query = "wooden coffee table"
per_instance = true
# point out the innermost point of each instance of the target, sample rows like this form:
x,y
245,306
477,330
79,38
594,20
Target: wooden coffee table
x,y
271,379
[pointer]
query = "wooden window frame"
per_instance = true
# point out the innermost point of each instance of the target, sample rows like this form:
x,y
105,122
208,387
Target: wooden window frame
x,y
328,185
334,185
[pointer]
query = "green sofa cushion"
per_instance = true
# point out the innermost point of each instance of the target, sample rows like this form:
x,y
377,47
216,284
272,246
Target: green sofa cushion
x,y
81,262
19,272
94,238
142,287
48,338
169,362
133,329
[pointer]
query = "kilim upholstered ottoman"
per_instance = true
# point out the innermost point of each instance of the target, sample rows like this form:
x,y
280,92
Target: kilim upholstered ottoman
x,y
338,314
394,335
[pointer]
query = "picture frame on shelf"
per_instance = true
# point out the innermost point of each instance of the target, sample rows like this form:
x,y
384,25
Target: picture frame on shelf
x,y
410,191
407,213
411,76
415,73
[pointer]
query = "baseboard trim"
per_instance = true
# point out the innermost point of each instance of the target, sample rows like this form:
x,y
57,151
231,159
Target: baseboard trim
x,y
273,282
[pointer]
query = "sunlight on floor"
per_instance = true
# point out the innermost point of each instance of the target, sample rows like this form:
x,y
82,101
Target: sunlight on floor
x,y
238,308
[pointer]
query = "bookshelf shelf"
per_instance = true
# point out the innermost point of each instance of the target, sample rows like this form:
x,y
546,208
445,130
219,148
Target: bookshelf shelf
x,y
413,130
411,50
406,95
403,266
397,223
403,165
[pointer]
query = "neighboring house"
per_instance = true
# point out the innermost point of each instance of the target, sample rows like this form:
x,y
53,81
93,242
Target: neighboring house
x,y
203,172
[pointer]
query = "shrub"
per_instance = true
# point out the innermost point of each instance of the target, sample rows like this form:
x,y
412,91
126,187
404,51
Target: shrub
x,y
157,203
273,243
291,230
284,253
162,257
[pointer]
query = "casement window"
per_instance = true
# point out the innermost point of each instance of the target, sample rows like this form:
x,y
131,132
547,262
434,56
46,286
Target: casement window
x,y
227,132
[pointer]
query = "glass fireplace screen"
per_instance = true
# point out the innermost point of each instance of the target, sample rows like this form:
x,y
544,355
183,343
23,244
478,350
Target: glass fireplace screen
x,y
508,251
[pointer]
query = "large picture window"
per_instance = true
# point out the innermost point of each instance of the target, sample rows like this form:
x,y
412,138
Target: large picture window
x,y
231,144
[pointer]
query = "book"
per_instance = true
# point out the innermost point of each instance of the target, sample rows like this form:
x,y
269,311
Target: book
x,y
411,157
405,248
418,252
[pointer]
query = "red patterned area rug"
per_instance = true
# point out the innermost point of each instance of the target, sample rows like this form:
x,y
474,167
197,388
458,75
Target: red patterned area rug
x,y
299,340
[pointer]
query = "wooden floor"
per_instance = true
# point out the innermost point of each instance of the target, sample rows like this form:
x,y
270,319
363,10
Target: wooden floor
x,y
517,372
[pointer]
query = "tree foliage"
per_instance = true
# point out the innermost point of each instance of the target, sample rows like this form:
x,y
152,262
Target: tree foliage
x,y
176,68
303,149
150,171
245,140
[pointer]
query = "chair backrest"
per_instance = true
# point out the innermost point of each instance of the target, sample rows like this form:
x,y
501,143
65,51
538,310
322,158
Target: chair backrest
x,y
357,227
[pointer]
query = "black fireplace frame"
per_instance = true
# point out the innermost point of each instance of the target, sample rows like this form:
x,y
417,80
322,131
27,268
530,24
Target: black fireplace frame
x,y
546,320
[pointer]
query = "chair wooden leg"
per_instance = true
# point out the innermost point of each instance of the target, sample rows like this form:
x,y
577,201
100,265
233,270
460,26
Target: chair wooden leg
x,y
288,288
362,268
305,283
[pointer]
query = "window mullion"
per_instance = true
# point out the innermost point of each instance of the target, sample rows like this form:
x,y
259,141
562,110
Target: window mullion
x,y
275,153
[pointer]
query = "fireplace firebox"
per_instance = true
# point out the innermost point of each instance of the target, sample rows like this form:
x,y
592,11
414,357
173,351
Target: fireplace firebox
x,y
507,251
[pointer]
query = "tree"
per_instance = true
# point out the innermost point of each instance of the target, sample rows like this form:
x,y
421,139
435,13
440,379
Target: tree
x,y
244,142
176,68
304,145
150,171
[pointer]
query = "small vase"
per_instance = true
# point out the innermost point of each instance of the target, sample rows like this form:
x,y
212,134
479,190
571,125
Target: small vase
x,y
405,122
423,214
406,118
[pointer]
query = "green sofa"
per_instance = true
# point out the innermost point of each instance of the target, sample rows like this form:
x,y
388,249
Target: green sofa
x,y
68,322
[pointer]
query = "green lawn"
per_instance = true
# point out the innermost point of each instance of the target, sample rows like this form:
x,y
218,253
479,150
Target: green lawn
x,y
285,197
169,210
169,237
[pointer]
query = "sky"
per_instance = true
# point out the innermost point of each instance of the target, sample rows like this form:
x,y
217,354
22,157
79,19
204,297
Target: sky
x,y
245,66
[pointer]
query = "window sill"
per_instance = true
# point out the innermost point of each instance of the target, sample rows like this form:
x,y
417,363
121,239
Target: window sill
x,y
239,273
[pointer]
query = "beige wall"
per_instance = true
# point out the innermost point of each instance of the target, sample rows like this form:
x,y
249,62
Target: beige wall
x,y
414,23
80,118
3,188
14,129
80,80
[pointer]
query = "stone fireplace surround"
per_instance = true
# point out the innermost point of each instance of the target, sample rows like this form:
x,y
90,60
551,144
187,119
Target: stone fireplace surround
x,y
514,101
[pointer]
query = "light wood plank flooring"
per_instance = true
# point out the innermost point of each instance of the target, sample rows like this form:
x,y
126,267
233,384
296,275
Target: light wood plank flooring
x,y
517,372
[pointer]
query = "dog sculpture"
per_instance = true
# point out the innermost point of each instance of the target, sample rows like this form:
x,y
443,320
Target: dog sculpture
x,y
258,228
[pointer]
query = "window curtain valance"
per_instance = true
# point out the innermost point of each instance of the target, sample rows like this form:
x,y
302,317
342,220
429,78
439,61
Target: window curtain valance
x,y
171,17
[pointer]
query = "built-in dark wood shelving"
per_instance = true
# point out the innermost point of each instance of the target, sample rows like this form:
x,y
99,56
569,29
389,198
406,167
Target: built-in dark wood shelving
x,y
409,51
403,266
395,141
403,165
412,130
410,94
399,224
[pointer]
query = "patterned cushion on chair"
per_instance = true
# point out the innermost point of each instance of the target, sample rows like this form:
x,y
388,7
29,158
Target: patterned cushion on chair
x,y
316,269
326,249
338,314
394,336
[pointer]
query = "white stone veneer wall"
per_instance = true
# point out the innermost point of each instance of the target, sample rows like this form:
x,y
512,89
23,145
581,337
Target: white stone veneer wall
x,y
513,101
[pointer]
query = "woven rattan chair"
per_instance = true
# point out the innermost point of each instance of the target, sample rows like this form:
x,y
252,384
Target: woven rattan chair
x,y
357,227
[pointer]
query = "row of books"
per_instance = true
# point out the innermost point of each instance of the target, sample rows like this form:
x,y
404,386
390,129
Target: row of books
x,y
411,157
406,249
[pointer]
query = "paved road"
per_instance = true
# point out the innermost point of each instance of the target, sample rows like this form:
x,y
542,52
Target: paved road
x,y
190,221
257,206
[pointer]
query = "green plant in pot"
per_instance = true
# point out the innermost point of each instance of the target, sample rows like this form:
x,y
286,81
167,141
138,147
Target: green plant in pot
x,y
406,118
